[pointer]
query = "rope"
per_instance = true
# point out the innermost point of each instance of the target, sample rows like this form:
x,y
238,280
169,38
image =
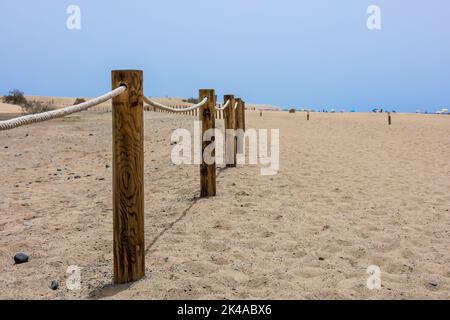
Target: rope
x,y
235,105
44,116
163,107
223,107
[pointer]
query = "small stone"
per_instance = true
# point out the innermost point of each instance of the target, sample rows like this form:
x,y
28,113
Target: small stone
x,y
6,147
77,177
20,258
433,282
321,258
107,166
54,285
91,134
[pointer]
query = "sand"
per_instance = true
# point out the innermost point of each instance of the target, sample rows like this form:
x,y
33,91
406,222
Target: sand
x,y
6,108
351,192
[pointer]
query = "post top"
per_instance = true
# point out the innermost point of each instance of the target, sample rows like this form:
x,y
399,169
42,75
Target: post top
x,y
127,70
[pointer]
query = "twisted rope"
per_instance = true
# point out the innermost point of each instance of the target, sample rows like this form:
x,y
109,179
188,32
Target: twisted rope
x,y
44,116
224,106
235,105
163,107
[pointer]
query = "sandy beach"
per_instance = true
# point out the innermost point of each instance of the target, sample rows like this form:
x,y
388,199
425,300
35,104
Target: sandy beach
x,y
351,192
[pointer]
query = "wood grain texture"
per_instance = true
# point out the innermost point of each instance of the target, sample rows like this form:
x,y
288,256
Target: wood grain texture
x,y
230,145
128,177
207,117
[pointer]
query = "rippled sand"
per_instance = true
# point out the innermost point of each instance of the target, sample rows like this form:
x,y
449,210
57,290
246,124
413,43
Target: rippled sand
x,y
351,192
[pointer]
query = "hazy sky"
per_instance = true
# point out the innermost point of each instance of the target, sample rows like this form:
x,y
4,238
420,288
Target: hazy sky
x,y
316,53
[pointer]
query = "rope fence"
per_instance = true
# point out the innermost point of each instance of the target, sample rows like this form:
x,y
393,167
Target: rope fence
x,y
223,107
44,116
172,109
128,157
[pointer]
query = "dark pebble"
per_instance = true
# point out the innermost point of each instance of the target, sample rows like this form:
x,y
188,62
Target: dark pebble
x,y
321,259
54,285
107,166
20,258
77,177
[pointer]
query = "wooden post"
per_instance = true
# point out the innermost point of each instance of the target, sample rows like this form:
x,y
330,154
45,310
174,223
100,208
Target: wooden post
x,y
207,117
389,118
128,177
228,116
260,113
243,115
307,115
239,124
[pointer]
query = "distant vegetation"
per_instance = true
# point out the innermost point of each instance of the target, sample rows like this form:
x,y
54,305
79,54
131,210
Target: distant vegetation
x,y
191,100
17,98
79,100
292,110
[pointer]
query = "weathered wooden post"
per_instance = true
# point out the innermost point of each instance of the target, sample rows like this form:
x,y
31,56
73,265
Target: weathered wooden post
x,y
239,124
128,177
307,115
389,118
243,115
230,145
207,117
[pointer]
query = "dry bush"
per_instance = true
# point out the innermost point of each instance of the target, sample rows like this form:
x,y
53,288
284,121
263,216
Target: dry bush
x,y
34,107
15,97
292,110
191,100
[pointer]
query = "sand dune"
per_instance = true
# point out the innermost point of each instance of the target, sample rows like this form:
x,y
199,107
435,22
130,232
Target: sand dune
x,y
9,108
351,192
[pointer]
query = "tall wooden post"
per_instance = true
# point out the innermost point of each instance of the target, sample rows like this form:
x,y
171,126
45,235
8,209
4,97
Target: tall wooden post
x,y
228,116
307,115
207,117
239,124
128,177
243,115
389,118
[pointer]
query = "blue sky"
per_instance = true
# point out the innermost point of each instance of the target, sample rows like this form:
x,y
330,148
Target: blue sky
x,y
316,54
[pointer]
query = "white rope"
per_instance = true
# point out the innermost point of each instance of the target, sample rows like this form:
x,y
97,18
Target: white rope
x,y
235,105
44,116
163,107
223,107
